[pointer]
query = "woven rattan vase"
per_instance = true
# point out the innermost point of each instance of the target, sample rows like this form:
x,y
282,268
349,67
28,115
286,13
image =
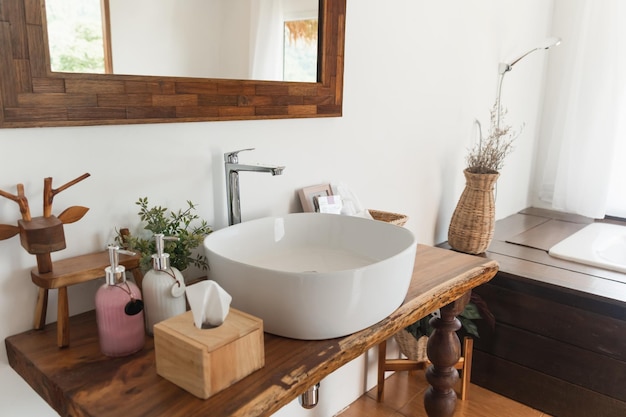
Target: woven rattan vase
x,y
473,220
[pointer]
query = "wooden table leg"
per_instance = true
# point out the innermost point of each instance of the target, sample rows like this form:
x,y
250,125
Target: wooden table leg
x,y
382,356
44,265
444,351
41,308
63,317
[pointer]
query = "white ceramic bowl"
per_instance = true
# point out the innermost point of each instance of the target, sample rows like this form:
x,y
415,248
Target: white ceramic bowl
x,y
313,276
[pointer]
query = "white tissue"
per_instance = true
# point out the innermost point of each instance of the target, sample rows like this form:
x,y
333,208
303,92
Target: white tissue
x,y
209,303
351,204
329,204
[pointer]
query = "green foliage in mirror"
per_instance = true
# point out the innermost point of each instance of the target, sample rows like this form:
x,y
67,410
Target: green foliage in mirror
x,y
75,36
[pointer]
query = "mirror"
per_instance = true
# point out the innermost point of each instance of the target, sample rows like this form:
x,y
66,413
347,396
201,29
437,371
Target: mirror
x,y
32,95
231,39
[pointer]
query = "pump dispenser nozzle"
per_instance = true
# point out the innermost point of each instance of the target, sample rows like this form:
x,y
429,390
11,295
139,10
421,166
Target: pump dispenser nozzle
x,y
163,287
161,260
115,272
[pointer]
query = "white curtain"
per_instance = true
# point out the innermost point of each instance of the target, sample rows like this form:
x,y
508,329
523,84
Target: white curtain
x,y
591,102
266,53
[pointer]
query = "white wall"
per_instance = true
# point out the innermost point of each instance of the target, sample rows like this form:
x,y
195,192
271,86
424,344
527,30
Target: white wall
x,y
147,40
217,41
416,74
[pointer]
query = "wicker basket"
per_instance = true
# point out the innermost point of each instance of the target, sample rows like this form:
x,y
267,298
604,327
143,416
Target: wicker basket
x,y
412,348
385,216
473,220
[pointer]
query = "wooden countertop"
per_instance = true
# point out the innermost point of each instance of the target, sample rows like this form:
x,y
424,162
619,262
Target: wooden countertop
x,y
520,245
80,381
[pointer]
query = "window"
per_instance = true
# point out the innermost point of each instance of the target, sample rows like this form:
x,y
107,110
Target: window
x,y
76,36
300,50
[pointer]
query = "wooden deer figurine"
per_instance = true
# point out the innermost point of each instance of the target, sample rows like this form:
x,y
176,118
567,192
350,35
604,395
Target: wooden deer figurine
x,y
42,235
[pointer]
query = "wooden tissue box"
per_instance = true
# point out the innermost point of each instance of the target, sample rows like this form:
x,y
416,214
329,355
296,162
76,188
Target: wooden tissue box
x,y
205,361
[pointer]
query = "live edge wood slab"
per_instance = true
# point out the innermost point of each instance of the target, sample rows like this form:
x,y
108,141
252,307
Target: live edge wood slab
x,y
80,381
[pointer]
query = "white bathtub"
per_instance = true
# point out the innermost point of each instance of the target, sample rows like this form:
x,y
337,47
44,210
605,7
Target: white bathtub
x,y
601,245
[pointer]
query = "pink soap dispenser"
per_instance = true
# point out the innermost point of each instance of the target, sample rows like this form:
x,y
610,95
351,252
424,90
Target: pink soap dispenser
x,y
119,311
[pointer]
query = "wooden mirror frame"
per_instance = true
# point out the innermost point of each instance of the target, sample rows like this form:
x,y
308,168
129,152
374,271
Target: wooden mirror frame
x,y
31,95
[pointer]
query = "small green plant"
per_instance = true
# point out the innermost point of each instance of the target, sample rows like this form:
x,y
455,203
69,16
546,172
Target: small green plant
x,y
422,327
186,225
474,310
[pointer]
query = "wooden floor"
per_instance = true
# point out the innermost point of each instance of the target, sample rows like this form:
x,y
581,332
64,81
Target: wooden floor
x,y
404,397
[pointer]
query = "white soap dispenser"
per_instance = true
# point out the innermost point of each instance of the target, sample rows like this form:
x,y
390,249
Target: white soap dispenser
x,y
119,311
163,287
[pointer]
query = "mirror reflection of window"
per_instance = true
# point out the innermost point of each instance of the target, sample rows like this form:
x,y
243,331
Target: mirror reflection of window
x,y
284,40
300,50
233,39
75,36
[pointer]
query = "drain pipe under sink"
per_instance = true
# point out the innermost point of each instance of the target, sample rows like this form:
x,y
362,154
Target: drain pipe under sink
x,y
310,397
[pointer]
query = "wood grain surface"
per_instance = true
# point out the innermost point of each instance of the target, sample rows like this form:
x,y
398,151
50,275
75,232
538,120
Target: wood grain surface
x,y
80,381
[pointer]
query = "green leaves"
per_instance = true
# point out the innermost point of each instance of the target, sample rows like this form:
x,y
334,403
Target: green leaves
x,y
184,224
469,326
471,312
421,327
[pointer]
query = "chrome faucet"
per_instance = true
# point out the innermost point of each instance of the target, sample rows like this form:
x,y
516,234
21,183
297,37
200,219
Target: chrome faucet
x,y
232,168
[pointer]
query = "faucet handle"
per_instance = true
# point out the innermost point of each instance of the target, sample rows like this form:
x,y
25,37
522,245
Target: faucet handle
x,y
232,157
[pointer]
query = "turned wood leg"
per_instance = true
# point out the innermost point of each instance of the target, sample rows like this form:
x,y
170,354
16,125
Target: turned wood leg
x,y
444,351
63,317
40,309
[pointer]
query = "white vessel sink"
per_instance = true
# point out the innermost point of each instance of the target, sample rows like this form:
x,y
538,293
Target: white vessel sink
x,y
313,276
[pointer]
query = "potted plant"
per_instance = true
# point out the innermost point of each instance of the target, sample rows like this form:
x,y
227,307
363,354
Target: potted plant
x,y
473,220
185,224
412,340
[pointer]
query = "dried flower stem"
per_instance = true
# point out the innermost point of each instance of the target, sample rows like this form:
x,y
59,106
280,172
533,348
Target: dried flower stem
x,y
487,156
